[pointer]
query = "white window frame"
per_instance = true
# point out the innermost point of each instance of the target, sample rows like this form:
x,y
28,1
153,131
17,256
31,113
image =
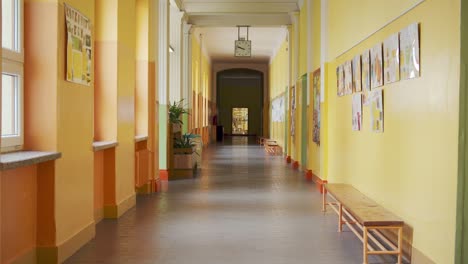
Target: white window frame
x,y
13,63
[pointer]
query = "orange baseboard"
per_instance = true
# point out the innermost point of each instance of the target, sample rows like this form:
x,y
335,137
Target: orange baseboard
x,y
308,175
163,175
288,159
295,165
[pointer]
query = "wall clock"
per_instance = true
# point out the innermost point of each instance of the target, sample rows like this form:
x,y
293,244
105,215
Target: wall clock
x,y
243,48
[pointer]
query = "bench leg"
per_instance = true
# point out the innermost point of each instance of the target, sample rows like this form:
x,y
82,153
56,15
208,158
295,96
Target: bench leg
x,y
340,219
400,245
364,246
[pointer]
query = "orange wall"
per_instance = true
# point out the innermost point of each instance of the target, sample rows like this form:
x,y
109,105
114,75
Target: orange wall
x,y
18,209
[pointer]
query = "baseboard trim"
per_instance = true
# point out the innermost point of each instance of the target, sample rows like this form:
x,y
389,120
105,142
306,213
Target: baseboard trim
x,y
98,215
419,257
288,159
308,175
295,165
58,254
116,211
144,189
30,256
163,175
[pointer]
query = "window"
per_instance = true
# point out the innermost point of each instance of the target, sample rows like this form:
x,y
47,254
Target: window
x,y
12,75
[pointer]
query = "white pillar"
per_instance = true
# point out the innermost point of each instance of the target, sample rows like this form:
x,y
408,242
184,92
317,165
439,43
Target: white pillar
x,y
175,57
163,76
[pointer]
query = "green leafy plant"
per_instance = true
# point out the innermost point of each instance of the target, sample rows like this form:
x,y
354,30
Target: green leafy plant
x,y
186,141
176,109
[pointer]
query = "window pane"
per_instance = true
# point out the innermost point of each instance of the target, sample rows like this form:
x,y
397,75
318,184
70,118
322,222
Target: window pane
x,y
10,101
9,25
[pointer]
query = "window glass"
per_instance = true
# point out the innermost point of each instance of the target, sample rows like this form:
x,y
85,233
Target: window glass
x,y
10,101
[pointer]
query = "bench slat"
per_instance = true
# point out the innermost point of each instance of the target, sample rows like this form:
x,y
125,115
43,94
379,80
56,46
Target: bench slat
x,y
365,210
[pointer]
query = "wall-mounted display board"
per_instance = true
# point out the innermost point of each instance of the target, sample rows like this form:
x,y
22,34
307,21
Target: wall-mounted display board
x,y
409,56
79,46
391,59
316,114
376,66
357,112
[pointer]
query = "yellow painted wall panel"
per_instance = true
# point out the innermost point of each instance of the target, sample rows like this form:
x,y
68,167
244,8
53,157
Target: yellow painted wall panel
x,y
352,21
411,169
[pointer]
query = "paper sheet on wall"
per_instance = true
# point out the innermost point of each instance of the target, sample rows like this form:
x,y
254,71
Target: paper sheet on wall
x,y
391,59
376,66
409,52
316,84
377,111
348,77
357,73
357,112
79,46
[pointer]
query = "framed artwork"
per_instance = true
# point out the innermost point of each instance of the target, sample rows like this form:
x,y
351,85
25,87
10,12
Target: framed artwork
x,y
348,77
357,87
377,111
79,46
357,112
366,85
277,109
340,80
409,52
391,59
316,114
376,66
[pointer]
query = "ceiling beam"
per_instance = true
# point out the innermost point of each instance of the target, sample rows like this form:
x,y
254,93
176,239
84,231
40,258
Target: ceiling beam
x,y
239,7
232,20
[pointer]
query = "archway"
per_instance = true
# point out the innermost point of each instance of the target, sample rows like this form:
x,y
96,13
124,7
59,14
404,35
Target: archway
x,y
240,88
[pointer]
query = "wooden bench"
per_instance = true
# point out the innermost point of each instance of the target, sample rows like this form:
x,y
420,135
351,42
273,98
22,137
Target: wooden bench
x,y
271,147
355,209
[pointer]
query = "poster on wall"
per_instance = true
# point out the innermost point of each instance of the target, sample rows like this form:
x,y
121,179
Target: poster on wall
x,y
357,73
277,109
357,112
316,86
391,59
376,66
79,46
377,111
340,80
348,77
409,52
366,71
293,111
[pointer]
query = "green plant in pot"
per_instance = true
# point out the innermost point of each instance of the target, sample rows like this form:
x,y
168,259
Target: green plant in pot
x,y
185,144
176,110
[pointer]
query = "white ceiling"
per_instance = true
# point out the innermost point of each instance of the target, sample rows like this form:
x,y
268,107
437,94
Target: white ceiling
x,y
216,20
219,42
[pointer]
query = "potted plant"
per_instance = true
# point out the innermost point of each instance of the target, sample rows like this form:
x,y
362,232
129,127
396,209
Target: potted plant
x,y
184,148
176,110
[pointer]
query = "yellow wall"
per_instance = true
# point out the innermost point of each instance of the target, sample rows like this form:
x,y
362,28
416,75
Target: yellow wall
x,y
314,150
201,90
359,19
411,168
279,79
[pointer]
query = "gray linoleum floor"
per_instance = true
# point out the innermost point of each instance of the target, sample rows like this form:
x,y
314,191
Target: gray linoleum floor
x,y
244,207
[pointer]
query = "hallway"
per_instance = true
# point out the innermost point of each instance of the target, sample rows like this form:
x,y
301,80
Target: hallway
x,y
244,207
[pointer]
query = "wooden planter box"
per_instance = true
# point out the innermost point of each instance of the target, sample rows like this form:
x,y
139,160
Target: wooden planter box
x,y
184,161
176,128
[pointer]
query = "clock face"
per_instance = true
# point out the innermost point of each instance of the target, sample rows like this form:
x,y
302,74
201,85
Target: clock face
x,y
242,48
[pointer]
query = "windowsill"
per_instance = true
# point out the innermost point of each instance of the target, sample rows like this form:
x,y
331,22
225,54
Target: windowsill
x,y
140,138
18,159
103,145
